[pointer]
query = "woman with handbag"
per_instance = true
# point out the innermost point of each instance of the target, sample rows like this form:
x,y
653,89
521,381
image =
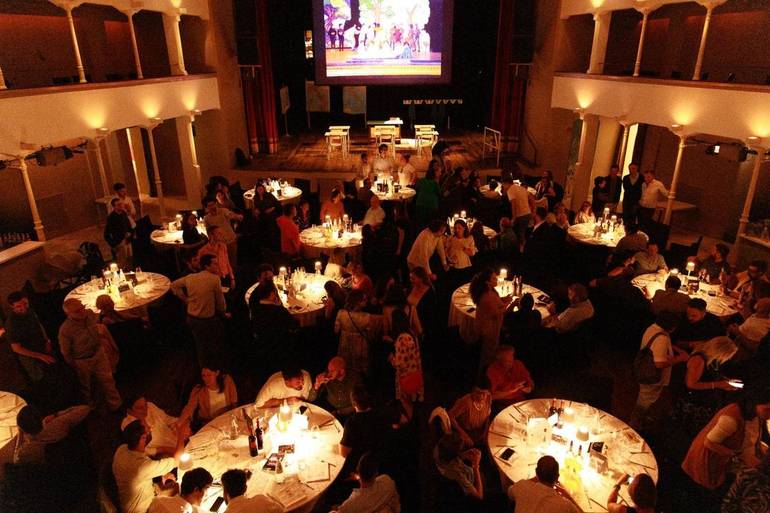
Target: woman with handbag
x,y
353,327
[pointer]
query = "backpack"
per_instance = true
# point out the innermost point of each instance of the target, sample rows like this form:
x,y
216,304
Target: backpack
x,y
644,370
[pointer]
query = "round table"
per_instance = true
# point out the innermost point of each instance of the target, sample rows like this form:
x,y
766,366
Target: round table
x,y
484,189
716,303
589,483
308,304
10,405
404,194
584,234
288,193
316,448
462,310
150,288
174,237
316,242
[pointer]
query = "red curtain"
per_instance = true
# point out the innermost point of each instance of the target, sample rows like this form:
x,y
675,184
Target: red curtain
x,y
268,124
247,82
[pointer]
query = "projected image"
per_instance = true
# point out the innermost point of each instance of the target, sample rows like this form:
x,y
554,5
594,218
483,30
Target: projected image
x,y
382,38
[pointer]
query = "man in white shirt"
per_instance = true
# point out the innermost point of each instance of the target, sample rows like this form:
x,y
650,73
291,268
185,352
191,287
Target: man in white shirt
x,y
651,190
665,355
291,384
429,241
162,425
195,482
522,206
377,494
407,174
543,493
234,484
375,215
382,163
121,192
134,470
222,218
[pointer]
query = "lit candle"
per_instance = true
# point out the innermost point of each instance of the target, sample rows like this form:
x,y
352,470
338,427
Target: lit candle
x,y
318,267
345,218
582,434
568,415
503,273
179,217
185,461
281,271
614,218
674,272
463,214
113,268
690,267
606,211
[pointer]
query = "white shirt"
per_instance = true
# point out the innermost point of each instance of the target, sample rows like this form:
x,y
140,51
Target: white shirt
x,y
661,349
519,198
382,166
217,401
159,423
724,428
755,328
275,388
571,318
423,248
174,504
133,473
650,192
380,497
455,251
532,497
374,216
406,175
256,504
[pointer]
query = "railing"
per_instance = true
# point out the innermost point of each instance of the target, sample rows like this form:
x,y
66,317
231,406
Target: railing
x,y
492,139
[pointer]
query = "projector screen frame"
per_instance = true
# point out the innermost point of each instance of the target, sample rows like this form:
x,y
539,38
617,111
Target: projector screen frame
x,y
319,55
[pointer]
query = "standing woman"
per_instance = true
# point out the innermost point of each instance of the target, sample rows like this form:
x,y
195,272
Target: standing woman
x,y
353,327
460,247
407,363
490,308
428,194
711,452
424,308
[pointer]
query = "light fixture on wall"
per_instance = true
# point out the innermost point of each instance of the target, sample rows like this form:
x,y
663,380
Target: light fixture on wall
x,y
194,113
676,128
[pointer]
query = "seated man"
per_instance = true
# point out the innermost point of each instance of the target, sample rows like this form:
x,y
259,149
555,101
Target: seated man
x,y
292,385
650,261
543,492
579,310
699,325
509,379
36,432
134,470
375,215
162,425
459,466
234,484
336,385
27,337
670,299
194,485
715,264
377,493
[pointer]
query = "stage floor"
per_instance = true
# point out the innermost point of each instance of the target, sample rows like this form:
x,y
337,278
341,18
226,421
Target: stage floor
x,y
307,152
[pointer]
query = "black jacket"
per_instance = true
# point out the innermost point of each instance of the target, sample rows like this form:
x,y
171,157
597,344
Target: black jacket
x,y
118,225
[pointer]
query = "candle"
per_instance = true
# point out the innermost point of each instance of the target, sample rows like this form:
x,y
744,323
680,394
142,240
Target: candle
x,y
582,434
606,211
614,218
674,272
318,267
690,267
282,271
113,268
179,217
503,273
463,214
568,415
345,218
185,461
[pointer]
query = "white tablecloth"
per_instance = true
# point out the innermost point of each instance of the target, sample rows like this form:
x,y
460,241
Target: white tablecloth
x,y
165,237
211,449
10,405
627,452
584,234
405,193
717,304
315,243
152,287
466,321
288,193
308,305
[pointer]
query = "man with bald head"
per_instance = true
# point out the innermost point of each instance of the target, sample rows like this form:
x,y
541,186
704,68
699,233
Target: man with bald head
x,y
336,384
81,347
375,215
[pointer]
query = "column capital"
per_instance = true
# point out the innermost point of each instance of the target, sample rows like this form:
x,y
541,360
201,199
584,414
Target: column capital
x,y
175,12
755,143
67,5
710,5
645,7
153,123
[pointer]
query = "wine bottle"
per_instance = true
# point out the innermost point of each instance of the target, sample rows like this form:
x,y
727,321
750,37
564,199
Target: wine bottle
x,y
260,440
253,449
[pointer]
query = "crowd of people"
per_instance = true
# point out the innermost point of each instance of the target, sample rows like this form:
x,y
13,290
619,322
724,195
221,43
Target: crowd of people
x,y
388,366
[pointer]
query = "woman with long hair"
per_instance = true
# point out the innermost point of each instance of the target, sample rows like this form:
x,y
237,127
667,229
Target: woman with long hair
x,y
585,214
333,207
354,328
459,249
490,308
335,299
213,396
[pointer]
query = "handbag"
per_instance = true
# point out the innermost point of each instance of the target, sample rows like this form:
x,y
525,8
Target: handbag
x,y
411,383
643,368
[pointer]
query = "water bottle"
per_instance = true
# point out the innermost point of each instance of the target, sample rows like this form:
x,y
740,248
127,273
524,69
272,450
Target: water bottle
x,y
233,427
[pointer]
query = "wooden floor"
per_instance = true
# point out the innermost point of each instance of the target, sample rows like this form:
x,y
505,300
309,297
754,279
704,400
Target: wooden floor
x,y
307,152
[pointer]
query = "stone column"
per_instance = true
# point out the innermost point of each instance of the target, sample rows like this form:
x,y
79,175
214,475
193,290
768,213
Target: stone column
x,y
2,80
174,42
36,222
569,186
97,151
675,178
78,60
710,5
134,46
187,151
599,45
754,144
640,48
158,182
623,143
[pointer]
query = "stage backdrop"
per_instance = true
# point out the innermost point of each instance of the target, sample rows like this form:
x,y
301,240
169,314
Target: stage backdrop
x,y
382,41
317,97
354,100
